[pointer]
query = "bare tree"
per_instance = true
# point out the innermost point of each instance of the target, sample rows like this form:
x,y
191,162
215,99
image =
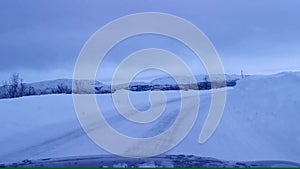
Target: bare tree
x,y
4,90
31,91
22,88
15,86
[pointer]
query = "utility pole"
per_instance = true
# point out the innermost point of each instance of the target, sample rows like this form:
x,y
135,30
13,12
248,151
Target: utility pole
x,y
242,74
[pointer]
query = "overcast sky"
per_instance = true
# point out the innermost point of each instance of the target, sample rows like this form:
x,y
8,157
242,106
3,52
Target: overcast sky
x,y
41,39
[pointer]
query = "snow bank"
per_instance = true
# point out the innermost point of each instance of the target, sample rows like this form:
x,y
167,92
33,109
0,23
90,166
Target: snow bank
x,y
260,121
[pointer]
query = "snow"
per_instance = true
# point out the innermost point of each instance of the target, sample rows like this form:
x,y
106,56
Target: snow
x,y
260,122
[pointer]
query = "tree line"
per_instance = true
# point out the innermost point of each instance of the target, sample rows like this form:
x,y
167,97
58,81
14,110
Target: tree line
x,y
15,87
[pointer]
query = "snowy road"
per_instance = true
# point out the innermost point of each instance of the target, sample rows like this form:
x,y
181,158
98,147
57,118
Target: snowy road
x,y
66,133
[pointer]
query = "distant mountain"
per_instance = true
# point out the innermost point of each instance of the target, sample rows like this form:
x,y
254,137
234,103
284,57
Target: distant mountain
x,y
59,86
64,86
198,78
203,82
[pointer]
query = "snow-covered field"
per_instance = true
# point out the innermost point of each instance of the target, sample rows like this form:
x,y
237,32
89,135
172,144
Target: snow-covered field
x,y
260,122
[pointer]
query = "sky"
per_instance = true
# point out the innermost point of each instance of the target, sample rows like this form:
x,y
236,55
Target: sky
x,y
42,39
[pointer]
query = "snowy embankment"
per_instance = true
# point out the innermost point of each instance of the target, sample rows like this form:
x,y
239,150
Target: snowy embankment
x,y
260,122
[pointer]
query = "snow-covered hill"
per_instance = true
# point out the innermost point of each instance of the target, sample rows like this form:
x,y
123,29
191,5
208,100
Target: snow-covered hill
x,y
260,122
203,82
64,86
187,80
165,161
59,86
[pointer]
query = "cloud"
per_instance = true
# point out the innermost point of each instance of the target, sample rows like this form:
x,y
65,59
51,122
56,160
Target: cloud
x,y
43,36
